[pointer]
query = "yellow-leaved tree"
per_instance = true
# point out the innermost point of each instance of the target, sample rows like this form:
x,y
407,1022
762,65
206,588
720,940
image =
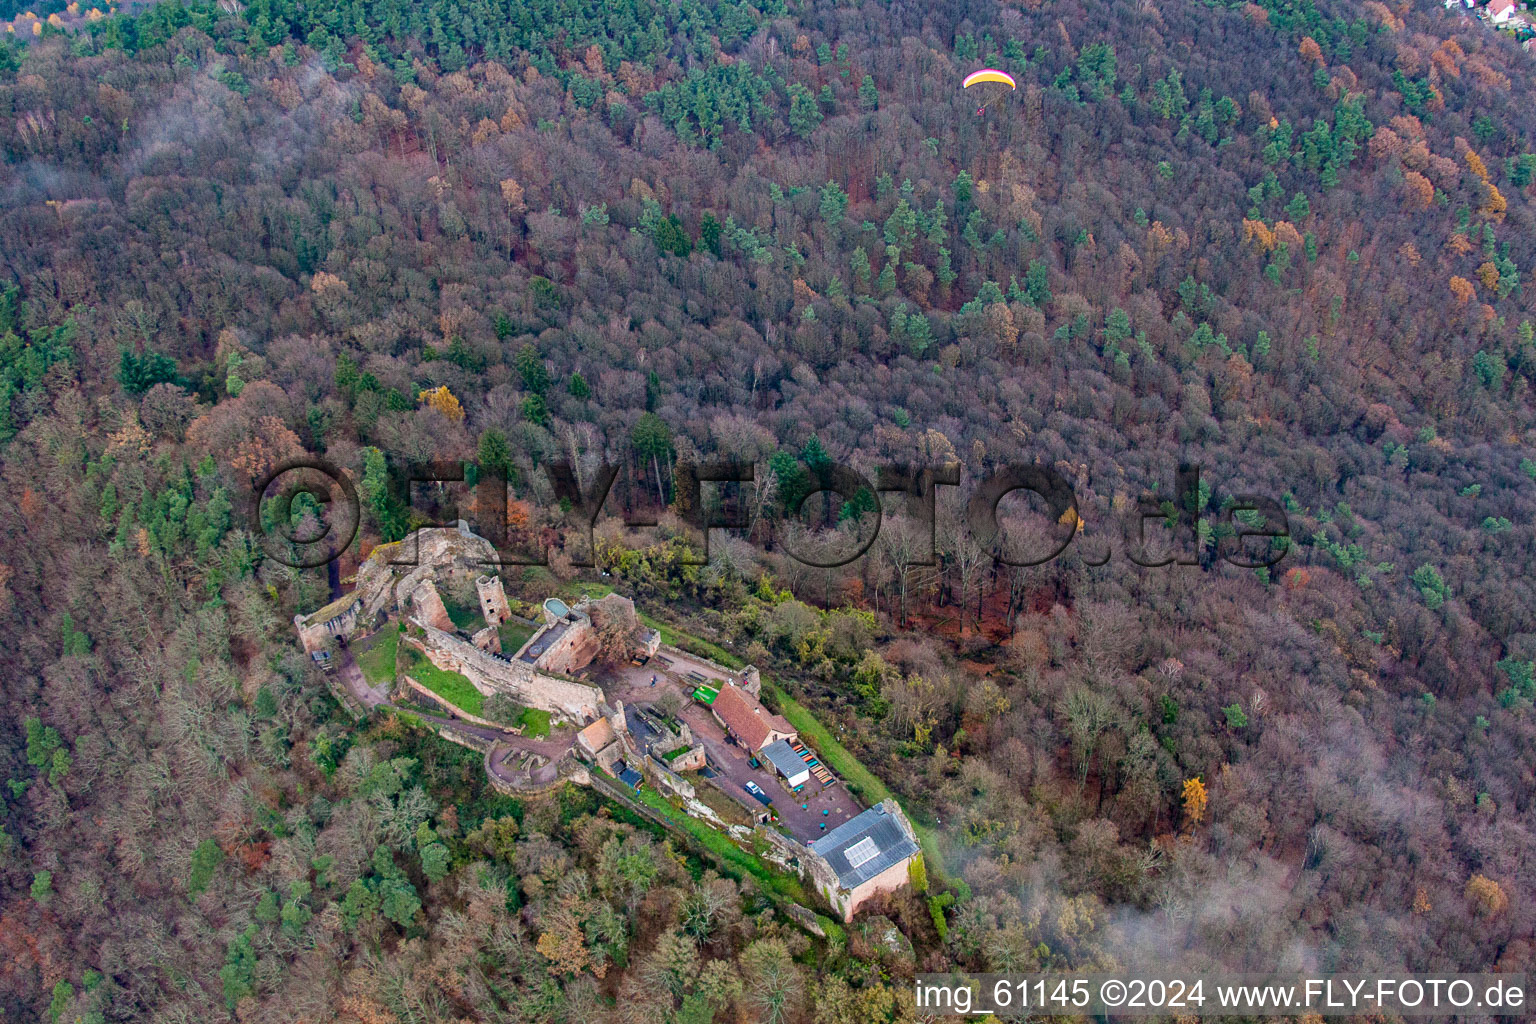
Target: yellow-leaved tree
x,y
443,400
1194,801
1475,164
1486,895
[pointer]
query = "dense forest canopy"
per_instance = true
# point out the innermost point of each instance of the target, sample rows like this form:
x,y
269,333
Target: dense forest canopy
x,y
1289,242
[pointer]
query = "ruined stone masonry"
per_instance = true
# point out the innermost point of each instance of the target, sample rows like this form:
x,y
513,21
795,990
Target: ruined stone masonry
x,y
495,673
861,858
402,578
493,600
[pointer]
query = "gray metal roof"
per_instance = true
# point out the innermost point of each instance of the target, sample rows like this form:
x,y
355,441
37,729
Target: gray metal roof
x,y
891,842
784,757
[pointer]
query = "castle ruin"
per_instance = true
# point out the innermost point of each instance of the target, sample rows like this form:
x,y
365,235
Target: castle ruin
x,y
493,600
401,578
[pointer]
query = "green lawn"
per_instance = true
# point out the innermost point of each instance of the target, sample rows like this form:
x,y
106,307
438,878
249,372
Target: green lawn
x,y
451,686
513,636
843,763
465,616
376,655
535,723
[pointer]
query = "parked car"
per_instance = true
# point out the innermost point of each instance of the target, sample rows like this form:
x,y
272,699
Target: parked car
x,y
758,794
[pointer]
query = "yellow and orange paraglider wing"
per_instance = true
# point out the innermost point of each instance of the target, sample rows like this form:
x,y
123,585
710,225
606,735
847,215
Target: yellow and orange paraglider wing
x,y
989,75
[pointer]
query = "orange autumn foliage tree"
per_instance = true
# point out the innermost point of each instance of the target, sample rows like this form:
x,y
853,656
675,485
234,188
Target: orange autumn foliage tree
x,y
564,945
1421,194
1256,14
593,59
1444,60
1286,234
1494,203
512,195
1383,16
1475,164
1256,231
1310,51
244,435
1463,290
1489,275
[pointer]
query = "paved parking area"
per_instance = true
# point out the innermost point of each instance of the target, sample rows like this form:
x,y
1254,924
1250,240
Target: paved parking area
x,y
801,814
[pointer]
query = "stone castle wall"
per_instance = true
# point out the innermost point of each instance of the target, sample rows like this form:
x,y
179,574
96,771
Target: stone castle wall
x,y
490,674
421,694
382,584
316,635
572,651
669,781
427,606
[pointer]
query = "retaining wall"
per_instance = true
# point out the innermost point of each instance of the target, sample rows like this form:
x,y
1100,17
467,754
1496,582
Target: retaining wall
x,y
452,710
490,674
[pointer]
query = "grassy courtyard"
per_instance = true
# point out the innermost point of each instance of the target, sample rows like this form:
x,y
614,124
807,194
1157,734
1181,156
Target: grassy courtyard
x,y
464,616
376,655
535,723
453,687
513,635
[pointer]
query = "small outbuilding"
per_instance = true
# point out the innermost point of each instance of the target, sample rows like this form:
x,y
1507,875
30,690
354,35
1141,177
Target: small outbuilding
x,y
786,760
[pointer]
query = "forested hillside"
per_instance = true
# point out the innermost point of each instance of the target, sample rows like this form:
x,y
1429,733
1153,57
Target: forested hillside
x,y
1290,242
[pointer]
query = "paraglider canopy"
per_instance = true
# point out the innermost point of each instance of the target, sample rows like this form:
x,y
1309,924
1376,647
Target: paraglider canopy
x,y
989,75
991,79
